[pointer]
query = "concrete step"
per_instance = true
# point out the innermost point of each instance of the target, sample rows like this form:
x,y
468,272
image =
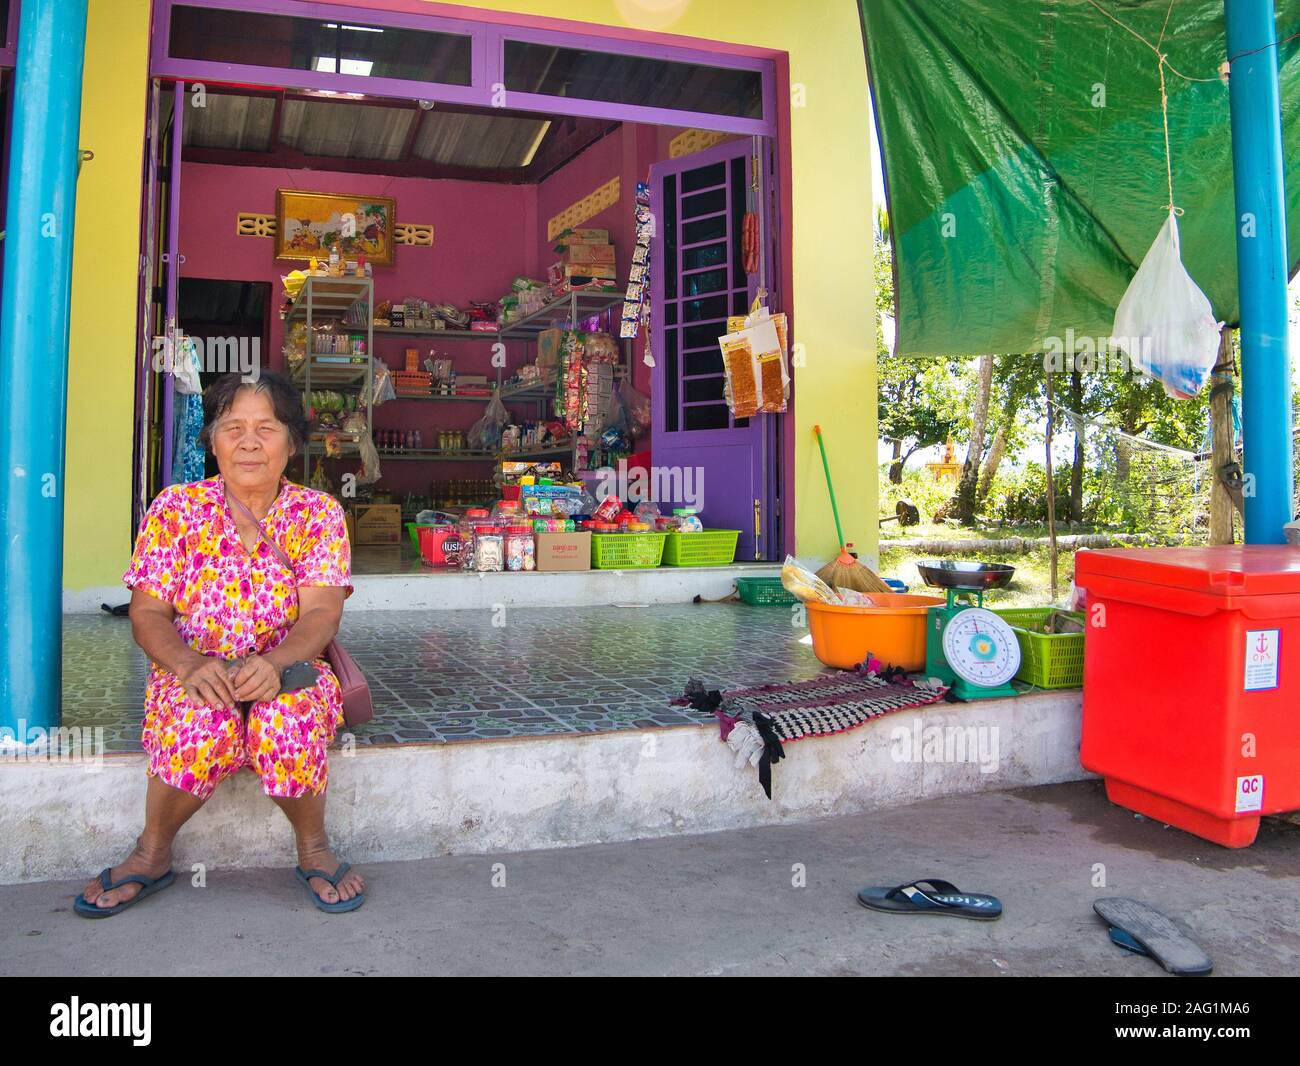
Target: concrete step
x,y
413,801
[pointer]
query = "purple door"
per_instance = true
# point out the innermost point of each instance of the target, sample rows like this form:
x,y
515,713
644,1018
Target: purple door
x,y
698,281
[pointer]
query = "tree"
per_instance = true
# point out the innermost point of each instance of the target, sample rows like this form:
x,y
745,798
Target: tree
x,y
919,399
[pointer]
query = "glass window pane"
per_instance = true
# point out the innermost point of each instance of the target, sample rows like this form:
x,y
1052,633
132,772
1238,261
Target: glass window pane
x,y
706,229
671,374
740,303
671,267
582,74
713,307
704,203
670,314
704,177
705,256
708,361
738,277
703,336
295,43
707,416
703,389
708,281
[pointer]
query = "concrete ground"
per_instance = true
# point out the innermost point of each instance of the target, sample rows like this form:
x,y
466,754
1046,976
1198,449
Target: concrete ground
x,y
771,900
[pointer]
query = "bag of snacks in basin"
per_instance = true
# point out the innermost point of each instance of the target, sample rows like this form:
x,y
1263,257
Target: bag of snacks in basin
x,y
804,585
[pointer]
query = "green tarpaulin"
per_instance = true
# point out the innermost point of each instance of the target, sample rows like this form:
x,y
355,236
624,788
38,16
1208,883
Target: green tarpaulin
x,y
1024,160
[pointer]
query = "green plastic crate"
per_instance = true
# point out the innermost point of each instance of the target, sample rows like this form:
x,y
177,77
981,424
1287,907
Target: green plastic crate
x,y
627,551
709,547
763,592
1047,660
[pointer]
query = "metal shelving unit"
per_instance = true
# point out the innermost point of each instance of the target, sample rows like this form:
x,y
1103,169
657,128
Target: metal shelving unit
x,y
326,298
320,301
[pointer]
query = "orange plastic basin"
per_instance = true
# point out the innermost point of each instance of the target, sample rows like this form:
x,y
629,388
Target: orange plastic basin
x,y
893,632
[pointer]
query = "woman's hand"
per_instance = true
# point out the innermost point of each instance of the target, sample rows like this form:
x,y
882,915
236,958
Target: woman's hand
x,y
257,679
208,681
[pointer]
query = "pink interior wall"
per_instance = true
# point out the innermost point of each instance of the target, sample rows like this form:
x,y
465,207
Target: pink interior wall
x,y
481,241
484,235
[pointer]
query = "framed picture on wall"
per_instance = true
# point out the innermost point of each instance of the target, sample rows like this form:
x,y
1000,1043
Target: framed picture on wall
x,y
312,224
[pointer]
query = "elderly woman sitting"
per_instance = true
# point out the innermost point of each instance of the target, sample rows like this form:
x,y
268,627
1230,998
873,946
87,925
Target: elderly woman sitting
x,y
223,619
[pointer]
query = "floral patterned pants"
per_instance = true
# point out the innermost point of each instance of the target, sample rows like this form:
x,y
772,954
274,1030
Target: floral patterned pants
x,y
195,747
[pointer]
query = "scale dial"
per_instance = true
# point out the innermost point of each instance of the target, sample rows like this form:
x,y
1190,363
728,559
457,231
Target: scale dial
x,y
980,648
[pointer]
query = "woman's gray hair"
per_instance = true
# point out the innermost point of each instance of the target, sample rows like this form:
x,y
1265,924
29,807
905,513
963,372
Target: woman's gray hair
x,y
219,397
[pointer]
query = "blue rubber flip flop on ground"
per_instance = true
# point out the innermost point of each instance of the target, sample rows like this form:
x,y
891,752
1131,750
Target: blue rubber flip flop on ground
x,y
87,909
1153,934
330,908
932,896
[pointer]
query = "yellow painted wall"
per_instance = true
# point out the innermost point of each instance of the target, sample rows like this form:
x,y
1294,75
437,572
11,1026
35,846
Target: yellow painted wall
x,y
833,296
104,273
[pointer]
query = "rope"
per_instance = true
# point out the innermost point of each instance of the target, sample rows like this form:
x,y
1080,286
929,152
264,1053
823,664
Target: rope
x,y
1164,60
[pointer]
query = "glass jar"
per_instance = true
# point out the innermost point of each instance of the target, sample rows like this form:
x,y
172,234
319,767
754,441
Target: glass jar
x,y
489,549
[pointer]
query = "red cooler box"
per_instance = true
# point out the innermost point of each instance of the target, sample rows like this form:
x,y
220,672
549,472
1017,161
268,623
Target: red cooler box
x,y
1191,683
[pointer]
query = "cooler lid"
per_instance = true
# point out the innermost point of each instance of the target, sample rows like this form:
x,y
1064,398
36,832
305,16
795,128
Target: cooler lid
x,y
1232,569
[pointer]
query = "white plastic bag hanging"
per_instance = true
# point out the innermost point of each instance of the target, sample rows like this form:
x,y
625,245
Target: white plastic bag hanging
x,y
1164,323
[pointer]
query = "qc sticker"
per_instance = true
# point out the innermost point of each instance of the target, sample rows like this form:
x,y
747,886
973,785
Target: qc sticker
x,y
1261,658
1250,793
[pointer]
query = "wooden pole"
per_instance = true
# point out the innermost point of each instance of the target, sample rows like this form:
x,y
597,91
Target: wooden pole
x,y
1051,488
1222,450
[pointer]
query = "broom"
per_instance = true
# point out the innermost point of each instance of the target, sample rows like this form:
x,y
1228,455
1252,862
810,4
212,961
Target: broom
x,y
844,571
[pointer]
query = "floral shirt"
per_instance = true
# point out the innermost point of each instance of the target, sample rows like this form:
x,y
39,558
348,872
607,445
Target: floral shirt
x,y
230,604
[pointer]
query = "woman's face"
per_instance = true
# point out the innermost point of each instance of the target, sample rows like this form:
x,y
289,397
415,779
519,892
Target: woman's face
x,y
251,445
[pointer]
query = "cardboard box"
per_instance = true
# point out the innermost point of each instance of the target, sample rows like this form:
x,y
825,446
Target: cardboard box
x,y
577,254
377,523
563,551
586,236
548,347
351,526
590,270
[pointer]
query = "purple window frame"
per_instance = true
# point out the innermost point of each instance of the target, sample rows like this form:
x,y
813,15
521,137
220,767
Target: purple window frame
x,y
487,62
9,47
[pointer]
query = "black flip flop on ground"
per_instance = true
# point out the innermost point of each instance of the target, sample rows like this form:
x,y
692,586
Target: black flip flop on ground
x,y
1155,935
932,896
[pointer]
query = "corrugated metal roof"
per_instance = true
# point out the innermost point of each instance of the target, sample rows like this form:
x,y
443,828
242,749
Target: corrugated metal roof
x,y
377,133
352,131
477,140
240,123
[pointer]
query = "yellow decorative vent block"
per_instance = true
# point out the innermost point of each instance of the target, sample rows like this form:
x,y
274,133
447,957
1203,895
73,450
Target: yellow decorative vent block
x,y
689,141
416,234
586,208
248,224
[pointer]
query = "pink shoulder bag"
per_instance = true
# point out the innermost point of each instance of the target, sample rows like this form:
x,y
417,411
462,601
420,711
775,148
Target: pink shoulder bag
x,y
357,705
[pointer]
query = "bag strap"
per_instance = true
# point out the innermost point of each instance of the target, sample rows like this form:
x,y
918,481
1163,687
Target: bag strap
x,y
279,552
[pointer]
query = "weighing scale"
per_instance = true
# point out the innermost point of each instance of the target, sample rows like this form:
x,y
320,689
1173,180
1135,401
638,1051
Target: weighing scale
x,y
968,647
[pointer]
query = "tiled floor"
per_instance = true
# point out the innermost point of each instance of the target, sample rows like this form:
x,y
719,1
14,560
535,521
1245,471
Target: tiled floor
x,y
469,675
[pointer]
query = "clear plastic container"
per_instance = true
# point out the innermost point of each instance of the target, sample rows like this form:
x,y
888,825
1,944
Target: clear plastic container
x,y
520,549
489,549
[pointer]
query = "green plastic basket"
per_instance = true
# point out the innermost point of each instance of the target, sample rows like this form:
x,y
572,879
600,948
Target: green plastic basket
x,y
763,592
626,551
1047,660
709,547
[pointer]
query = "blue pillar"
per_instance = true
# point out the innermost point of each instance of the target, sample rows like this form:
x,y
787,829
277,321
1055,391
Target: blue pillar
x,y
34,329
1261,266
